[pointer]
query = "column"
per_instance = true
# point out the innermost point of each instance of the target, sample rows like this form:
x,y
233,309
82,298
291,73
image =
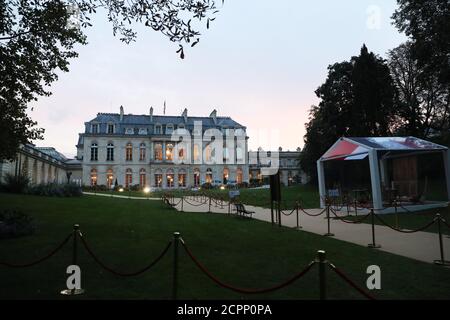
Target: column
x,y
375,180
321,181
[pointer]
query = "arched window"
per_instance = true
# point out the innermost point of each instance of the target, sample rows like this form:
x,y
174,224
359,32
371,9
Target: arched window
x,y
197,152
129,152
142,151
109,178
170,178
110,152
226,175
142,178
94,152
169,152
181,178
209,175
128,177
196,177
239,176
93,177
158,151
158,178
208,153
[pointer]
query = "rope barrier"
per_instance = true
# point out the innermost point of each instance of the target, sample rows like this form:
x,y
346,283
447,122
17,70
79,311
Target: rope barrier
x,y
124,274
311,214
288,214
445,223
360,220
47,256
196,205
350,282
243,290
405,231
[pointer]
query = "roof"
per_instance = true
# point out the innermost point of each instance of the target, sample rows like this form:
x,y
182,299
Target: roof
x,y
354,148
132,119
52,152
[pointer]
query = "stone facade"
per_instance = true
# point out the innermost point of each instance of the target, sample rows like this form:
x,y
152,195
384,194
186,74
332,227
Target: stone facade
x,y
289,167
42,165
125,150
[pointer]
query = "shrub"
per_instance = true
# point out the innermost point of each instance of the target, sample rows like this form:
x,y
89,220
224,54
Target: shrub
x,y
15,184
55,190
15,223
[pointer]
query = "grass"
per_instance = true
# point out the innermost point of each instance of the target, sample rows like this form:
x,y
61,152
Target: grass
x,y
308,196
414,220
127,234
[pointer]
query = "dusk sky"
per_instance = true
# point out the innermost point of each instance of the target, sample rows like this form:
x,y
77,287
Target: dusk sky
x,y
259,63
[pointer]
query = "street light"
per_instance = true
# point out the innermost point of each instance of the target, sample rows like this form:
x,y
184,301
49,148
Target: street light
x,y
147,191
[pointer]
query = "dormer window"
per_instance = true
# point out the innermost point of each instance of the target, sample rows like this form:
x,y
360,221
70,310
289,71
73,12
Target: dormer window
x,y
169,129
110,128
181,126
143,131
94,128
129,131
158,129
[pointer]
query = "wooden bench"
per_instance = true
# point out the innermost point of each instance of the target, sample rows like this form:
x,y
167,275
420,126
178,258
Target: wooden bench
x,y
240,210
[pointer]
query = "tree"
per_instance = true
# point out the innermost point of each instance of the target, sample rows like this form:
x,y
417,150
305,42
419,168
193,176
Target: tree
x,y
357,99
37,38
427,23
422,101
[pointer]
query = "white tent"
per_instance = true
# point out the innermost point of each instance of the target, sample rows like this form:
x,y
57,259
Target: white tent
x,y
378,150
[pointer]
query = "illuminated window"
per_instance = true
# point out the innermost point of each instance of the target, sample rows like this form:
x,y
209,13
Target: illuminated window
x,y
94,152
197,152
170,179
129,152
169,152
208,153
209,176
226,174
182,180
142,151
158,180
142,178
128,177
109,178
158,151
239,176
93,177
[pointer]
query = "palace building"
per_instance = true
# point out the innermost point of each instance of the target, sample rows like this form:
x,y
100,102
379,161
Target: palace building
x,y
127,150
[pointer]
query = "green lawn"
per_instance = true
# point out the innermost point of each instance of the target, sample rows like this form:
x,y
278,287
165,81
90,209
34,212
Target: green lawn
x,y
127,234
414,220
308,196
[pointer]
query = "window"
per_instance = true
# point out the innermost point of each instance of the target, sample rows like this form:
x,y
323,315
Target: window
x,y
158,180
158,151
110,152
110,128
196,177
239,154
239,175
208,153
181,154
181,126
226,175
169,129
94,128
182,179
142,151
143,131
128,177
129,152
129,131
142,178
93,177
158,129
109,178
209,176
169,152
170,179
94,152
196,152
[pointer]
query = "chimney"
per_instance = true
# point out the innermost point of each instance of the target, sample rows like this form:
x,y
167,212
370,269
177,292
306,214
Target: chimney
x,y
151,114
121,113
184,114
213,115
